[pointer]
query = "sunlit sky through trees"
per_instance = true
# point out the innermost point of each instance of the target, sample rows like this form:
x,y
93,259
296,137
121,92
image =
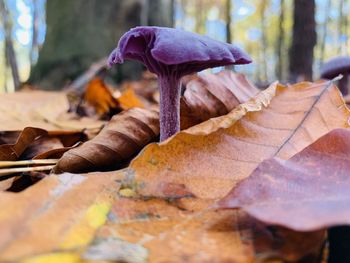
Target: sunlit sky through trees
x,y
208,17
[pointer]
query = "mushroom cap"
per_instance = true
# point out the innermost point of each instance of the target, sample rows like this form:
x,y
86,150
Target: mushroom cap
x,y
167,50
335,66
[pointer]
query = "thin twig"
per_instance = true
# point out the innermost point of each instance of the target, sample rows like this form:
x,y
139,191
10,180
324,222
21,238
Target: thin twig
x,y
27,162
8,171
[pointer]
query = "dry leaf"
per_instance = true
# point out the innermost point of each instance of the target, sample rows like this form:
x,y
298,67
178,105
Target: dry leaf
x,y
310,191
55,153
158,231
53,145
211,95
144,88
23,109
56,214
68,138
98,96
12,152
125,135
9,137
129,99
41,109
35,142
80,217
209,159
41,145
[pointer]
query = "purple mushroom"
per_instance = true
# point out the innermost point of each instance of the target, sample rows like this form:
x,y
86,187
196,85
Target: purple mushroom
x,y
336,66
171,54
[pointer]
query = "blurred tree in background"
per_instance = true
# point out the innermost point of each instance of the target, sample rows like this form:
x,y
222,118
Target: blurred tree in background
x,y
301,54
81,32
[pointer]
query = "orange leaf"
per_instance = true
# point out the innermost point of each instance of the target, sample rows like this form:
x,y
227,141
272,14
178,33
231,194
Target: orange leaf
x,y
128,100
207,160
68,218
98,96
144,88
56,214
30,109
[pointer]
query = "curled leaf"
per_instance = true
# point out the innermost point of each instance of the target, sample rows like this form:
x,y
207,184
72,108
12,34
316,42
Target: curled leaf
x,y
55,153
310,191
11,152
212,95
125,135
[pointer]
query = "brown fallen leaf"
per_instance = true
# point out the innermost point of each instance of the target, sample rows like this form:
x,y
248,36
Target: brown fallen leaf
x,y
12,152
53,145
207,160
310,191
68,138
125,135
41,145
41,109
55,153
211,95
32,141
26,109
9,137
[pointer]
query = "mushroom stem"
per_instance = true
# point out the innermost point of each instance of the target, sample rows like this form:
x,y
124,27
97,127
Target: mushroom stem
x,y
343,84
169,89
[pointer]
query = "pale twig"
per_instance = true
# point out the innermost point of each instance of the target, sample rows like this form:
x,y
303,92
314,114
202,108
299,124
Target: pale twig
x,y
27,162
8,171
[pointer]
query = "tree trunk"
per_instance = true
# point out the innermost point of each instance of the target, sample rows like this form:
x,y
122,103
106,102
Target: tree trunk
x,y
346,45
35,26
262,11
160,13
340,25
228,18
228,21
301,53
80,33
280,42
9,50
324,32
